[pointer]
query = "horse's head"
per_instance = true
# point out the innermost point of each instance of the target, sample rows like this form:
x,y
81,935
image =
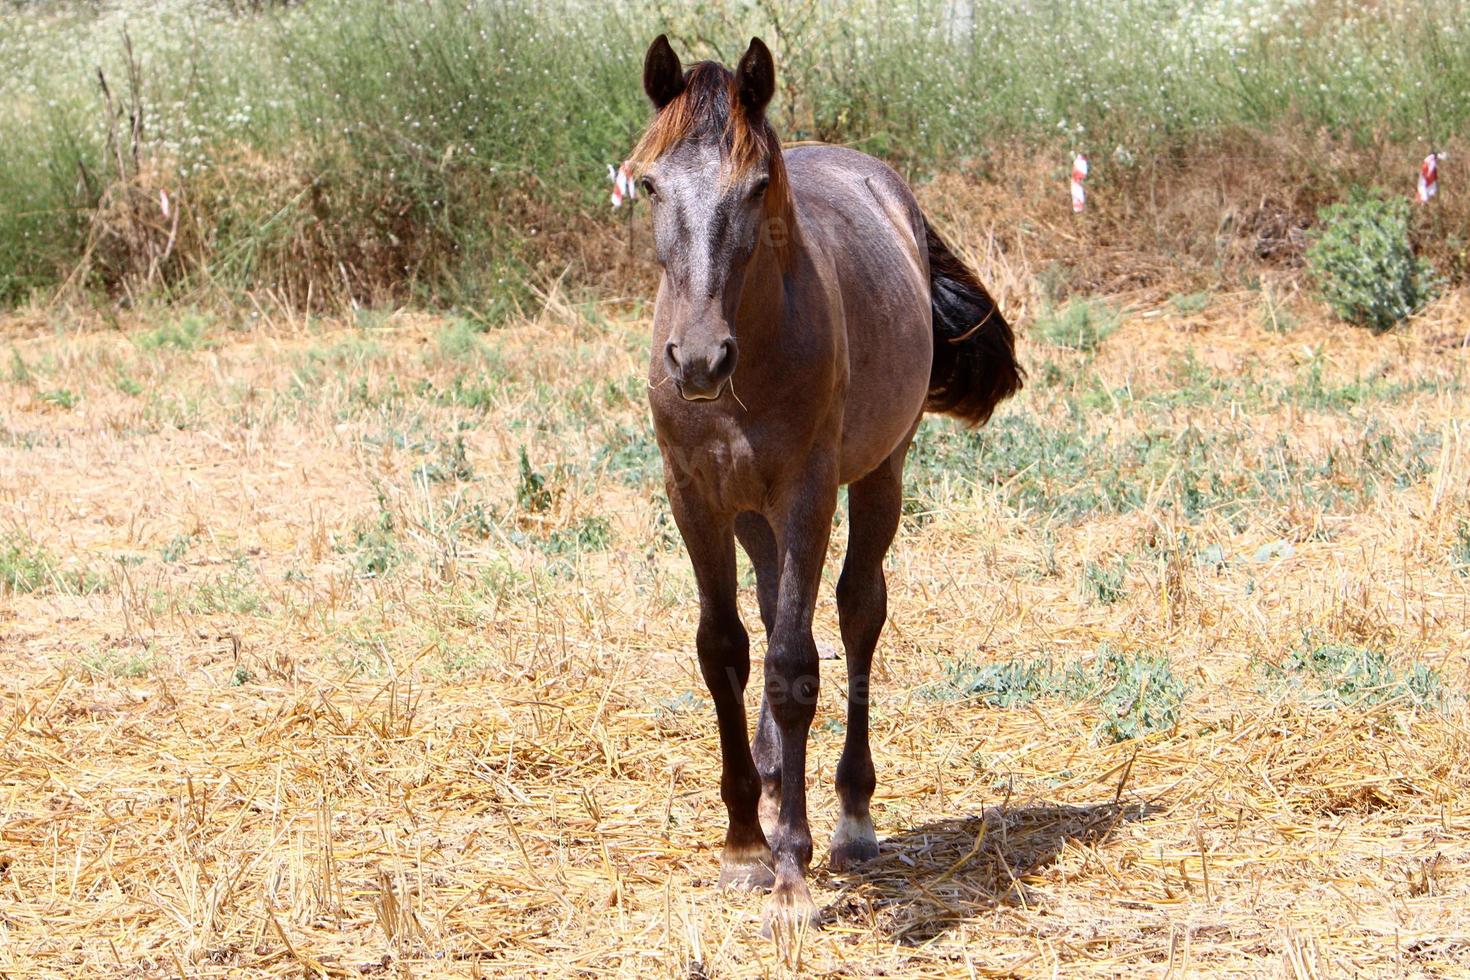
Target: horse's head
x,y
711,167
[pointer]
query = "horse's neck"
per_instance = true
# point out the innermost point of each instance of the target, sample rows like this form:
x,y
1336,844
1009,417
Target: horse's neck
x,y
765,294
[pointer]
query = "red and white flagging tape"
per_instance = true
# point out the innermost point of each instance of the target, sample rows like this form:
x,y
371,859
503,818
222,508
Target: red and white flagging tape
x,y
624,186
1428,178
1079,174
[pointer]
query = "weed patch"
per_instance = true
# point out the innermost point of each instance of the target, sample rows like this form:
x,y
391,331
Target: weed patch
x,y
1137,694
1330,675
27,567
1081,324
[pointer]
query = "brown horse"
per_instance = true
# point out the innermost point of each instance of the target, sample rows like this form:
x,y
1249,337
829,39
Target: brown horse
x,y
807,317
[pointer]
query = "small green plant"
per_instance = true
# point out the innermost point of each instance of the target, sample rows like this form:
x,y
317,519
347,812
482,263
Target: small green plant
x,y
1460,549
176,548
460,339
1188,303
532,494
589,534
679,704
1275,317
20,371
375,548
27,567
233,592
1082,324
23,566
453,465
188,332
128,386
1364,264
1102,583
107,663
1137,694
60,397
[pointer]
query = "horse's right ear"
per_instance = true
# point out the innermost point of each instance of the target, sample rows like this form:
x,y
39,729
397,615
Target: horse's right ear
x,y
663,76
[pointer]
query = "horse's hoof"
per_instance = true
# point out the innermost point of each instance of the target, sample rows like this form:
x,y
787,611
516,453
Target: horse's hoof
x,y
750,870
853,842
789,912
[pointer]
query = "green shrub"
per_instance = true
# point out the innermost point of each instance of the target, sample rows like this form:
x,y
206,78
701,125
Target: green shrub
x,y
1364,264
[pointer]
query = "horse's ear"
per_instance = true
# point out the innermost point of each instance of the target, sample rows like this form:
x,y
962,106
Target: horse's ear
x,y
756,79
663,76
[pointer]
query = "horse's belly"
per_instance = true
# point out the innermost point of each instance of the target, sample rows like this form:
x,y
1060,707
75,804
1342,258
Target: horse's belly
x,y
886,389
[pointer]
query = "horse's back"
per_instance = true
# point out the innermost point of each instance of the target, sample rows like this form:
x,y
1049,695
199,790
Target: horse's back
x,y
862,219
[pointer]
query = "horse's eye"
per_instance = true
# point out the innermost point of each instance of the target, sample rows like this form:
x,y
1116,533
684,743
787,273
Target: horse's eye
x,y
646,186
760,187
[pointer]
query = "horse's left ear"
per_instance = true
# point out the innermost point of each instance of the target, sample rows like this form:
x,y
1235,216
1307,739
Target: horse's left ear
x,y
755,77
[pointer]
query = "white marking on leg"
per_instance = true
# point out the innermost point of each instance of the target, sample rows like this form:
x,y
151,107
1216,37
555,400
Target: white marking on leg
x,y
850,828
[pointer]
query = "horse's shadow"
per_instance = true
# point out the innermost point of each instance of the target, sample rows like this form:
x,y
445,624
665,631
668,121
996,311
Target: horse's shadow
x,y
928,879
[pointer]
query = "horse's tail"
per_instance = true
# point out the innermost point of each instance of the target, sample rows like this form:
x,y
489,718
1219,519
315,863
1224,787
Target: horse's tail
x,y
975,365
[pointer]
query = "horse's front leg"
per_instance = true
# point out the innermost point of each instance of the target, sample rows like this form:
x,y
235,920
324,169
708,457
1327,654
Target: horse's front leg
x,y
724,660
803,524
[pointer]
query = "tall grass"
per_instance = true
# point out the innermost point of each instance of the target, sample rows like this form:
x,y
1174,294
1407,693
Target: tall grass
x,y
348,146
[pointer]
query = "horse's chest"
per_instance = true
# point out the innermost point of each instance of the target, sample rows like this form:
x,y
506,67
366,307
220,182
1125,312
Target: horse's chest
x,y
736,464
724,469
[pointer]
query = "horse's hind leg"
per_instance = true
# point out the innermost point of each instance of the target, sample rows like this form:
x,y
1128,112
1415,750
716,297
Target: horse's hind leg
x,y
874,506
759,542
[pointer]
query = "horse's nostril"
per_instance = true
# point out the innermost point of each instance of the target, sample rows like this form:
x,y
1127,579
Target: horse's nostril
x,y
724,365
671,357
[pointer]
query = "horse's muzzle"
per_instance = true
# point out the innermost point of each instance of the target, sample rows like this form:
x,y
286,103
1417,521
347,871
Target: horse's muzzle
x,y
701,375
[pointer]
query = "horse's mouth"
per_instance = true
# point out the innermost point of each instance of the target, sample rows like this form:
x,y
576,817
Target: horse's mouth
x,y
700,396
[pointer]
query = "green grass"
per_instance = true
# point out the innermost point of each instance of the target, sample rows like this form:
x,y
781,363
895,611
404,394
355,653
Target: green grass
x,y
1011,684
532,492
375,549
352,143
60,397
108,663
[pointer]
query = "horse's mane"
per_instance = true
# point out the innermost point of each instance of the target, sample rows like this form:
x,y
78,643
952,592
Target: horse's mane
x,y
709,108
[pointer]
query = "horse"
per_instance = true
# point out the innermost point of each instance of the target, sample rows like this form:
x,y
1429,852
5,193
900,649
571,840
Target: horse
x,y
807,316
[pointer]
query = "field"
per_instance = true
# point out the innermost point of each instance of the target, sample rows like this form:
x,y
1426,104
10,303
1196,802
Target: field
x,y
363,646
346,629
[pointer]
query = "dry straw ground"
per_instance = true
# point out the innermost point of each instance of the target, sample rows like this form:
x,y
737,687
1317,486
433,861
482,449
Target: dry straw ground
x,y
309,670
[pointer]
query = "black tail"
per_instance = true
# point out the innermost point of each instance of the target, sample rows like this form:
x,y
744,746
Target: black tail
x,y
975,365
